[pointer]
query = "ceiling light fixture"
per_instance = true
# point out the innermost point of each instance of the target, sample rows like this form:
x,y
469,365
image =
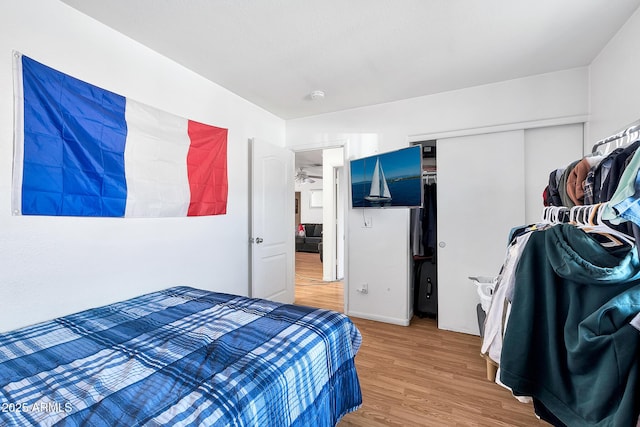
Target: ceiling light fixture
x,y
302,177
317,95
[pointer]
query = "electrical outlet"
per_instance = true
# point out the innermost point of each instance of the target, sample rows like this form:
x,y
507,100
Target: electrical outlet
x,y
368,223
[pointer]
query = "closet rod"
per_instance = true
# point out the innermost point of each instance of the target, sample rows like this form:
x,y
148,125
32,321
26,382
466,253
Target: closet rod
x,y
634,127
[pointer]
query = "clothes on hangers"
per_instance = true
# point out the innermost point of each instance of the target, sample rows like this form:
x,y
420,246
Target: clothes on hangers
x,y
415,218
554,181
423,223
590,180
600,182
601,173
575,181
429,219
562,185
565,326
610,184
589,184
498,313
568,342
625,202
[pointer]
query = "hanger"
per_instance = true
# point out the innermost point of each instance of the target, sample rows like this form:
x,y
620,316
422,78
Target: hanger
x,y
554,214
548,215
579,215
429,177
630,134
595,224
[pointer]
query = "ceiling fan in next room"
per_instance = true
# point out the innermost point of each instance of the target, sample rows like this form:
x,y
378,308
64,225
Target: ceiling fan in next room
x,y
303,177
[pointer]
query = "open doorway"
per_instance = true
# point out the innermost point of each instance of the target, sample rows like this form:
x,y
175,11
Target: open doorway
x,y
319,252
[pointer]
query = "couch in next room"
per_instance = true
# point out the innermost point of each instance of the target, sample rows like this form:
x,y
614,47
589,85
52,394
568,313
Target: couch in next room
x,y
312,238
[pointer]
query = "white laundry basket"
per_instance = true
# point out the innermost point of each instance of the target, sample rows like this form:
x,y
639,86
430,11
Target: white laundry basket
x,y
484,287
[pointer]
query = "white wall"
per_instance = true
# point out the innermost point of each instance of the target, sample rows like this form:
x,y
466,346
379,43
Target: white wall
x,y
546,96
55,266
615,84
308,214
379,256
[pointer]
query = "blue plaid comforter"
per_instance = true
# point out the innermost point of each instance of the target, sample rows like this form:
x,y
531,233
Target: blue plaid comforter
x,y
182,356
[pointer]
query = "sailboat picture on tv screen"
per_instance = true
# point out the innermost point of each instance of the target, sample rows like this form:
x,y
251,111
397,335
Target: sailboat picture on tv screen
x,y
392,179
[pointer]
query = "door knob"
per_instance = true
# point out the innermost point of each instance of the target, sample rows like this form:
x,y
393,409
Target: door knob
x,y
259,240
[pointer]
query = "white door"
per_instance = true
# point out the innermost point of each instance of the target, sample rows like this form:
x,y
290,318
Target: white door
x,y
272,222
480,197
339,203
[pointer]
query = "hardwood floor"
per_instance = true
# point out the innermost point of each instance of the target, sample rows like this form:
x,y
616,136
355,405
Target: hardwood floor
x,y
417,375
310,289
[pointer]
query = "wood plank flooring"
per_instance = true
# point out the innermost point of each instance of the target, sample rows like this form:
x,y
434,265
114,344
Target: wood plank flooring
x,y
415,375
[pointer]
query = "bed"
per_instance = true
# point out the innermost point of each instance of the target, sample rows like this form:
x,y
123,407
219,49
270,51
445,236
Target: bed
x,y
182,356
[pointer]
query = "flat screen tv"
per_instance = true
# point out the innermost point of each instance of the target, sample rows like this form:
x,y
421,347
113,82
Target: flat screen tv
x,y
388,180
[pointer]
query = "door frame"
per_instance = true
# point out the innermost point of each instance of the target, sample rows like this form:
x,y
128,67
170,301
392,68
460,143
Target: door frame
x,y
297,207
341,220
330,214
329,202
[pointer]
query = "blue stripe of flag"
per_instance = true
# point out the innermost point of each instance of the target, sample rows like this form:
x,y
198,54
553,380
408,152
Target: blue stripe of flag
x,y
74,139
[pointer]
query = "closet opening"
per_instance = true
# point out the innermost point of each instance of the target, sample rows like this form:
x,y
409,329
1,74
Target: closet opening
x,y
423,238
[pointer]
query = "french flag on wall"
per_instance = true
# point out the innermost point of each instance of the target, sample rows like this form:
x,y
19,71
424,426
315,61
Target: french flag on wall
x,y
84,151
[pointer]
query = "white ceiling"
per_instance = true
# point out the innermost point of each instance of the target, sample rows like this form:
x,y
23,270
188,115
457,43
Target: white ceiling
x,y
274,53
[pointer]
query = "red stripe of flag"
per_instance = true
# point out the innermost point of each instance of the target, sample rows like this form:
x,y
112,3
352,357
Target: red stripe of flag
x,y
207,169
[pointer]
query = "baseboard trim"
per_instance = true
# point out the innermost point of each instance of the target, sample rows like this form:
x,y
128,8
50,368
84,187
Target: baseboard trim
x,y
384,319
